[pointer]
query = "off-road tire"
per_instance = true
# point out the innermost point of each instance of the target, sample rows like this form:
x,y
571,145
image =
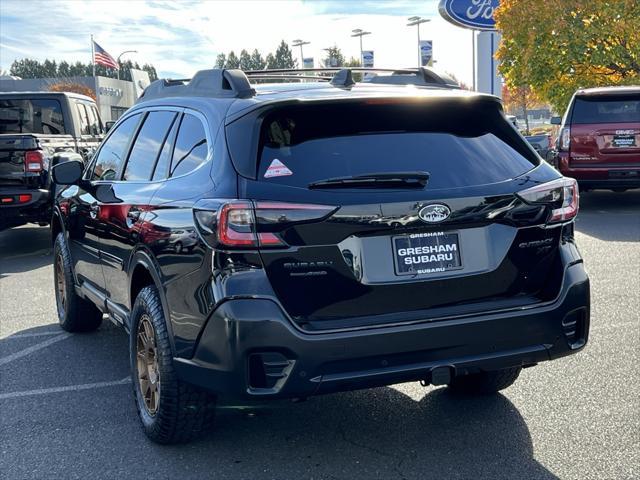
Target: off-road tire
x,y
184,412
75,314
485,383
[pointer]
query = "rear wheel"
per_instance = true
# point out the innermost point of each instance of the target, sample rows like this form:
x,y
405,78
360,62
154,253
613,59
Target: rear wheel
x,y
170,410
485,383
75,314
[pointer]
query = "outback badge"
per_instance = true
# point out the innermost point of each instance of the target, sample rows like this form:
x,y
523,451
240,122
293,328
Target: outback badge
x,y
434,213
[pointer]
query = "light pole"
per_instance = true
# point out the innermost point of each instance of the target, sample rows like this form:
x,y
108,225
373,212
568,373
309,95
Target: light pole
x,y
300,43
358,32
417,21
118,60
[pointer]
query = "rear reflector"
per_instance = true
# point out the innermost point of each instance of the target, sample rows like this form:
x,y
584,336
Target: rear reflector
x,y
33,161
24,198
561,194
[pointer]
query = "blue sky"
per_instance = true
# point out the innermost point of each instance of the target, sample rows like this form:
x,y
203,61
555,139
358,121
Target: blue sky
x,y
180,37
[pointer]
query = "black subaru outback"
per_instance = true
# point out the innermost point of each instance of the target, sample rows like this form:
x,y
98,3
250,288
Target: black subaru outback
x,y
313,234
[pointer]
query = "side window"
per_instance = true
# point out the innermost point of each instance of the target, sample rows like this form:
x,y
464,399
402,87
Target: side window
x,y
147,146
162,165
191,146
84,123
94,122
113,150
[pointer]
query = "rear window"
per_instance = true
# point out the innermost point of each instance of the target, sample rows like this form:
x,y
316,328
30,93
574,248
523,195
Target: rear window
x,y
606,109
457,146
23,115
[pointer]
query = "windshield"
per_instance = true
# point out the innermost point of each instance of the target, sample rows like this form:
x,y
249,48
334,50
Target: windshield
x,y
23,115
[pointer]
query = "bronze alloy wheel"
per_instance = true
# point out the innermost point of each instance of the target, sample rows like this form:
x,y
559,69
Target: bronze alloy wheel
x,y
147,365
61,288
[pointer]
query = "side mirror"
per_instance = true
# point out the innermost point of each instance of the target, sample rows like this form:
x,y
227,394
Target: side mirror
x,y
108,126
556,120
67,172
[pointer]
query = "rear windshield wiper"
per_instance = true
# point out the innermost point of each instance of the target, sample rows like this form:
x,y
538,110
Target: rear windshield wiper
x,y
376,180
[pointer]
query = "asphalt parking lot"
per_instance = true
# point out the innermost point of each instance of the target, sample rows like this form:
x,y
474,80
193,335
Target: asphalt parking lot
x,y
66,408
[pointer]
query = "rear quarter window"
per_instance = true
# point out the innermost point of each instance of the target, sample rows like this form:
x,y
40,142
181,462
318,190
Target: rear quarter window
x,y
37,115
457,145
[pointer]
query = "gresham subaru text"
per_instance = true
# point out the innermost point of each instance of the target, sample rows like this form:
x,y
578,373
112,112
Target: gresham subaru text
x,y
281,240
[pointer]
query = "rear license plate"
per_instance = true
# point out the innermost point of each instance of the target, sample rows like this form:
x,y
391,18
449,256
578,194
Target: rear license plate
x,y
426,253
624,141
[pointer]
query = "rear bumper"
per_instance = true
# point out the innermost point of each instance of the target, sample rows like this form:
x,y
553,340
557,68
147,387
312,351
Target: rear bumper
x,y
37,209
249,349
590,177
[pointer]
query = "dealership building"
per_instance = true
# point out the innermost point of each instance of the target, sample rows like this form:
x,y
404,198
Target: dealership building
x,y
113,96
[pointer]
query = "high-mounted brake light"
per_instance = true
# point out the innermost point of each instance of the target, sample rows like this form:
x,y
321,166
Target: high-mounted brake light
x,y
33,161
245,224
561,194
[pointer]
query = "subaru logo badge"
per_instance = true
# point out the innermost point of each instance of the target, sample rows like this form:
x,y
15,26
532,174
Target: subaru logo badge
x,y
434,213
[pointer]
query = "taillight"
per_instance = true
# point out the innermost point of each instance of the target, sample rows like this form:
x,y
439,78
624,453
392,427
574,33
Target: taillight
x,y
33,161
561,195
565,138
245,224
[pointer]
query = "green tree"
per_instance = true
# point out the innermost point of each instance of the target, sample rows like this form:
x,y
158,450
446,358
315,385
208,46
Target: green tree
x,y
257,62
245,60
568,44
283,57
353,62
334,58
232,60
271,61
221,60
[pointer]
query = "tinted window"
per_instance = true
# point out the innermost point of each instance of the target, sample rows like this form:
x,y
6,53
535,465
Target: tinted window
x,y
457,146
95,126
84,122
162,165
31,116
113,150
147,145
606,109
191,146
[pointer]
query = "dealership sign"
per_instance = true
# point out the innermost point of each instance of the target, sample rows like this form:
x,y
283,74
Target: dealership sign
x,y
474,14
367,58
426,53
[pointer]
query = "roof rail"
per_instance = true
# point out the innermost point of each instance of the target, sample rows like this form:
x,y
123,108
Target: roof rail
x,y
205,83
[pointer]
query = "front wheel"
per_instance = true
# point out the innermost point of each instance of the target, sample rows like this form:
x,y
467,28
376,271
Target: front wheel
x,y
75,314
170,410
485,383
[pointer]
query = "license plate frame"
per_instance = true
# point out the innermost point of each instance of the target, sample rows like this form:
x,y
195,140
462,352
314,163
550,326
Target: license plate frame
x,y
624,141
430,245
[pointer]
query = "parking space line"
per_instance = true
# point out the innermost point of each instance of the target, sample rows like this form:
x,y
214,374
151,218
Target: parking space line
x,y
69,388
29,335
33,348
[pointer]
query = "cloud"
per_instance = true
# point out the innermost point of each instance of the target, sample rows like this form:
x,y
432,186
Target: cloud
x,y
182,37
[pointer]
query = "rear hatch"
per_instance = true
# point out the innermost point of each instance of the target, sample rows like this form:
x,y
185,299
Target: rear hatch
x,y
383,211
605,132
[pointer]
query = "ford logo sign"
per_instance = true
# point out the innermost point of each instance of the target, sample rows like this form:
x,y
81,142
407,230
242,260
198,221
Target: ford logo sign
x,y
434,213
474,14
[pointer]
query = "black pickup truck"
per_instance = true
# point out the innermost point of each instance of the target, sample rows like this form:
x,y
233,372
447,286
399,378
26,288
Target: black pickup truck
x,y
38,130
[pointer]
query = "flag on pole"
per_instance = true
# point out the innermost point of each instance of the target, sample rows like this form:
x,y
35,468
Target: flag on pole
x,y
101,57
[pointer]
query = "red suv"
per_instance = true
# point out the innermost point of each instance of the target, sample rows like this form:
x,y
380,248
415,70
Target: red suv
x,y
599,141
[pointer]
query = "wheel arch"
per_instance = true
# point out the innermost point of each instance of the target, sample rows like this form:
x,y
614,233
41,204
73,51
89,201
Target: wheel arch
x,y
144,271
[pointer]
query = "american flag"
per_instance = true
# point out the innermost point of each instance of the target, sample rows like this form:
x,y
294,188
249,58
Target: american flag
x,y
101,57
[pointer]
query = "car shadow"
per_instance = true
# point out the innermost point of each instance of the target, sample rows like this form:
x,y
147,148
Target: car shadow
x,y
23,249
382,433
610,216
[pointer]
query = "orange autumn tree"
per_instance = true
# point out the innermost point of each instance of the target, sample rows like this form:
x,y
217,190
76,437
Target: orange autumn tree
x,y
557,46
73,87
